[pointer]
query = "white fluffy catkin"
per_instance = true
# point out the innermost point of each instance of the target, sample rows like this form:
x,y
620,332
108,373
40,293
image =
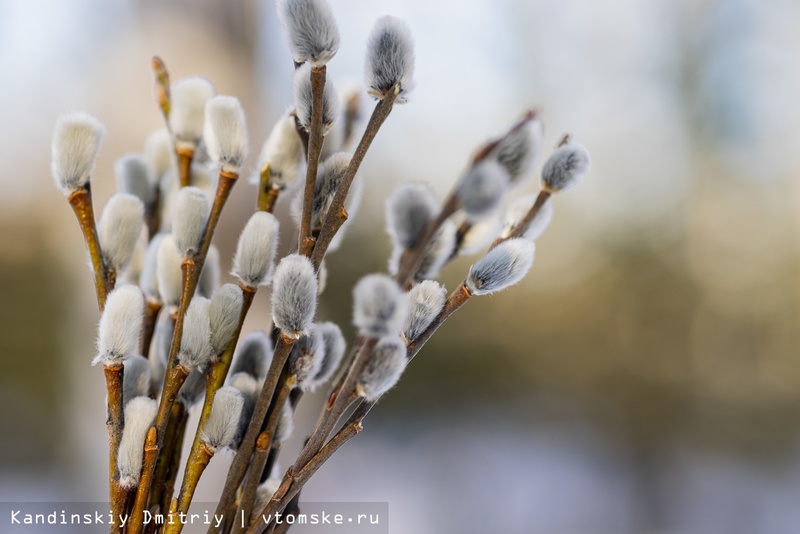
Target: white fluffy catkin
x,y
303,100
76,139
283,152
379,306
209,276
120,325
390,58
519,151
195,351
253,355
285,424
168,271
225,133
254,260
136,379
119,229
383,369
135,177
189,220
223,316
223,422
425,302
482,188
334,352
306,357
566,167
294,295
501,267
159,153
310,29
517,210
140,413
187,112
409,210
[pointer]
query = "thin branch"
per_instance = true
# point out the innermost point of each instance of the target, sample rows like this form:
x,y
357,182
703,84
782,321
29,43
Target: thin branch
x,y
150,453
305,242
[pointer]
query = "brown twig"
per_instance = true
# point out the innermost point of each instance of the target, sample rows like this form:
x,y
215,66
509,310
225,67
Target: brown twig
x,y
150,453
194,470
115,421
185,156
151,311
305,242
178,423
81,202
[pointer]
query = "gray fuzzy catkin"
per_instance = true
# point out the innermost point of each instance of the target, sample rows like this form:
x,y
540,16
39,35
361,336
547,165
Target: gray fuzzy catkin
x,y
519,151
501,267
187,111
306,357
136,378
131,273
135,177
390,58
193,389
283,152
159,153
310,29
334,352
294,295
351,204
566,167
195,351
168,271
482,188
303,100
225,133
329,178
120,325
159,349
519,208
438,251
119,229
425,302
249,388
383,369
140,414
223,316
210,275
189,219
264,493
76,139
409,210
254,260
253,355
379,306
223,422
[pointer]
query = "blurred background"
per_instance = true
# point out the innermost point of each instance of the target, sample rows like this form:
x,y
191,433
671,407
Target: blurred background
x,y
644,378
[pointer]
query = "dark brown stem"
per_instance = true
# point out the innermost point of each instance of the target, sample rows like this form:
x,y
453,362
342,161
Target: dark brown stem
x,y
151,311
305,242
81,202
115,422
180,416
198,461
150,453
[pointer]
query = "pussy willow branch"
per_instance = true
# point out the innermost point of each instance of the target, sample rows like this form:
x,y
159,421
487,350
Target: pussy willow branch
x,y
81,202
180,417
150,453
525,222
305,242
198,461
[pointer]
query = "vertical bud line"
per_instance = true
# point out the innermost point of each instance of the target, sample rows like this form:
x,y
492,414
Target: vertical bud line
x,y
81,202
161,87
519,229
305,242
337,215
150,454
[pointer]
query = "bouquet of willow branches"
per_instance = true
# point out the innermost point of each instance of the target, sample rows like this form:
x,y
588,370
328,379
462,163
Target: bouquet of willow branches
x,y
169,337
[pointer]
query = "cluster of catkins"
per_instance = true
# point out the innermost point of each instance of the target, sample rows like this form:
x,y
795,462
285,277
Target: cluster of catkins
x,y
159,225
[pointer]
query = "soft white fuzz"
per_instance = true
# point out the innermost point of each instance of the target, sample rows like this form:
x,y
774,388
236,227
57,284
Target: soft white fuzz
x,y
390,58
264,493
223,422
195,351
120,325
294,295
285,424
351,204
310,30
189,220
425,302
519,208
303,100
329,177
254,260
187,114
334,352
566,167
283,152
379,306
482,189
168,271
409,210
140,414
135,177
132,272
383,369
223,316
136,379
519,151
480,235
193,389
253,355
210,275
76,139
159,153
306,357
503,266
225,133
119,229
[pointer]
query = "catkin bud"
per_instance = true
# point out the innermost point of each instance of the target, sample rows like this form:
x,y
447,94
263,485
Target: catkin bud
x,y
136,378
76,139
193,389
119,229
187,112
283,152
310,30
159,153
383,369
482,188
501,267
209,276
409,210
140,414
425,302
134,177
159,350
249,388
566,167
334,352
351,204
438,251
254,260
294,295
225,133
480,234
390,58
120,325
168,271
380,306
223,316
223,422
253,355
519,151
195,351
303,100
189,220
519,208
329,178
306,357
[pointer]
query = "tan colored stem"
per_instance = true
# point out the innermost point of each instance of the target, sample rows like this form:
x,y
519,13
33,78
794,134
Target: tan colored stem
x,y
115,421
81,202
185,157
151,311
194,470
150,454
305,241
267,192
